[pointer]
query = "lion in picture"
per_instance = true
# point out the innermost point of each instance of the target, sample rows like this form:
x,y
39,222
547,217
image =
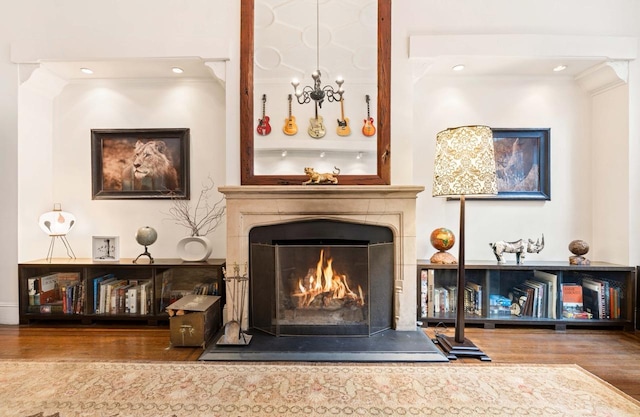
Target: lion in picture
x,y
140,164
151,169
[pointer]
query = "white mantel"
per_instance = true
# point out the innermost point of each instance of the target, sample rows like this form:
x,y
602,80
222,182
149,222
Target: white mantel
x,y
386,205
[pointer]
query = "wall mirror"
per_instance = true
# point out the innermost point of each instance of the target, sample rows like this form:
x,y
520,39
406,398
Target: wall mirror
x,y
279,157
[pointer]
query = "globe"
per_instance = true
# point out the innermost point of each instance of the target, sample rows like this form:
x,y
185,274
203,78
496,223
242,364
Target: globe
x,y
442,239
146,235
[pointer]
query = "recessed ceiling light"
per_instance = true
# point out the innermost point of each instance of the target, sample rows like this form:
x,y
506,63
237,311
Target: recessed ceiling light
x,y
177,70
458,67
284,153
560,68
88,71
322,154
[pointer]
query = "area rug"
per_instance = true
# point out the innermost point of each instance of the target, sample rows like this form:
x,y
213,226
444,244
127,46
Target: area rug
x,y
194,389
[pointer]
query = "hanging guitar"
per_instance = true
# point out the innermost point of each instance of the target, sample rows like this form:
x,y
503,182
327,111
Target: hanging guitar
x,y
290,127
368,129
264,128
343,128
316,126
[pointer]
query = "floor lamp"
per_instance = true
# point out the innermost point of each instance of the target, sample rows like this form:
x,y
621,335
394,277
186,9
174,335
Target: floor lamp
x,y
464,165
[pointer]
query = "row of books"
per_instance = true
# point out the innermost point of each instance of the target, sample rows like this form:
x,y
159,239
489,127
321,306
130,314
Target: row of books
x,y
592,297
60,292
536,297
112,295
540,296
443,299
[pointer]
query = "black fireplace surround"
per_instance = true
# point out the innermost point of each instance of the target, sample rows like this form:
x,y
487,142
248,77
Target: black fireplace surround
x,y
288,258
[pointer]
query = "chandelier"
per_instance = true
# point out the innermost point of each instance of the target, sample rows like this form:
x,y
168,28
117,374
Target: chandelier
x,y
317,92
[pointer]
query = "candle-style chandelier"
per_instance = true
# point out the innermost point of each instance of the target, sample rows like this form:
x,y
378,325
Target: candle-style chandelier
x,y
317,93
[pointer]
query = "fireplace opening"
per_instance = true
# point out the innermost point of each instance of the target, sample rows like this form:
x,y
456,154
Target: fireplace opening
x,y
321,278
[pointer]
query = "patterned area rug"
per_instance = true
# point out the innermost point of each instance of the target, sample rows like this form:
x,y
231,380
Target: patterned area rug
x,y
193,389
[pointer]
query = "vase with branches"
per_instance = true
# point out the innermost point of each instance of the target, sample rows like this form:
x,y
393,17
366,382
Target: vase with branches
x,y
199,220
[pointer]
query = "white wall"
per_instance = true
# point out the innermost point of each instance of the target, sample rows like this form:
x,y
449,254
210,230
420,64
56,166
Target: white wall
x,y
575,208
557,104
82,106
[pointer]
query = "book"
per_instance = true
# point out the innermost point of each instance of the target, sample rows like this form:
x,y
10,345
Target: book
x,y
591,299
571,300
552,290
49,290
96,290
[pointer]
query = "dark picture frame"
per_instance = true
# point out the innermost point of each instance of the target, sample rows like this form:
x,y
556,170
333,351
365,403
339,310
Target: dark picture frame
x,y
522,163
140,163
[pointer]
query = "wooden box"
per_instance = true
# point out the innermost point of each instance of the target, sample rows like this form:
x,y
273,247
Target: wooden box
x,y
194,319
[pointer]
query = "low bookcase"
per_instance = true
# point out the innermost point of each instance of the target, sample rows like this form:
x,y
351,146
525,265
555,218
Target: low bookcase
x,y
551,294
87,291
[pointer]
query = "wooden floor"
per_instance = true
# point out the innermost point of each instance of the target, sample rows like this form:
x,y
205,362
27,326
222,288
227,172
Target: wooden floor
x,y
610,354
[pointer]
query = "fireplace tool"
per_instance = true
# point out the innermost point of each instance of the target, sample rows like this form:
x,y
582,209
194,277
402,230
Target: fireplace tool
x,y
233,334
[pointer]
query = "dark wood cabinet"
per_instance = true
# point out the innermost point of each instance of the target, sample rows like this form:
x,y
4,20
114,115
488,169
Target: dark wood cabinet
x,y
87,291
531,294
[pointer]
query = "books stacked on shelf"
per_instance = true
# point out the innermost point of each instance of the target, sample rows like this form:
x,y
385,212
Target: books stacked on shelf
x,y
206,289
60,292
602,297
536,297
473,298
112,295
572,305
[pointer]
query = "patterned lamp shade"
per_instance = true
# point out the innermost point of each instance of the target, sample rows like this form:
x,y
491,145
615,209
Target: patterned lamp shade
x,y
465,163
57,222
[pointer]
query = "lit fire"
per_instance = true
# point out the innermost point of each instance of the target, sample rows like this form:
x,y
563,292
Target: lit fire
x,y
326,288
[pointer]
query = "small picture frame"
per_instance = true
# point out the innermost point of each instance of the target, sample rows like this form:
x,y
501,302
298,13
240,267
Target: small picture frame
x,y
106,248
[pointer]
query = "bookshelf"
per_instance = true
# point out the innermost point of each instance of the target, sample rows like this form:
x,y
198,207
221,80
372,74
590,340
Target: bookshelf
x,y
87,291
496,295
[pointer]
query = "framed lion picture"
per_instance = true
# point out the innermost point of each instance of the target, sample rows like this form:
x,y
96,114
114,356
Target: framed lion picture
x,y
140,163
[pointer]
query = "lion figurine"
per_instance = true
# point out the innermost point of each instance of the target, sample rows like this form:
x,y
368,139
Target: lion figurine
x,y
324,178
152,168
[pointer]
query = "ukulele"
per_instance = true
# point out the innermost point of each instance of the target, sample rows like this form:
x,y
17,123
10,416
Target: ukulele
x,y
343,128
316,127
368,129
290,127
263,124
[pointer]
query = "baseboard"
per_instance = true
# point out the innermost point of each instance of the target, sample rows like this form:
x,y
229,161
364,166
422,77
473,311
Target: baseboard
x,y
9,313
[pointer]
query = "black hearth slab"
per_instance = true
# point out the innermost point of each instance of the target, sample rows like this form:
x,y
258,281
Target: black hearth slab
x,y
387,346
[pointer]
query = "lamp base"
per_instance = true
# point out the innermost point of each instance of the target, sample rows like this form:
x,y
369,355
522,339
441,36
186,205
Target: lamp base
x,y
455,350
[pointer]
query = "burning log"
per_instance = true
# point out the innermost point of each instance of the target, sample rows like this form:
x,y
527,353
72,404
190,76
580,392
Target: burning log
x,y
324,288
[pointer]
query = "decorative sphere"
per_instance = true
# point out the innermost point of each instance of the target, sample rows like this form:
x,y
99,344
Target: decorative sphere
x,y
578,247
442,239
146,236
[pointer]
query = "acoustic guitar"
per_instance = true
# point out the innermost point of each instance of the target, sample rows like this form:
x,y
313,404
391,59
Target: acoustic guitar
x,y
264,128
290,128
368,129
316,126
343,128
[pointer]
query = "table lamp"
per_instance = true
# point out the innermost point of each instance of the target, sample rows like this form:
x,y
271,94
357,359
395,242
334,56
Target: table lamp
x,y
57,224
464,165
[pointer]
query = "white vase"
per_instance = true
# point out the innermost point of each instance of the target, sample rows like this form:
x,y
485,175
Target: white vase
x,y
194,248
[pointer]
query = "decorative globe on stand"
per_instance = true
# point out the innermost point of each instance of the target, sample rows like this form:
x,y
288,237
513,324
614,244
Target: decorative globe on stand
x,y
578,248
442,239
146,236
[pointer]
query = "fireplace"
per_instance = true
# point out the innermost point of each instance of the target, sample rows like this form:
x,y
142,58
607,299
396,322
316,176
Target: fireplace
x,y
391,207
293,231
321,278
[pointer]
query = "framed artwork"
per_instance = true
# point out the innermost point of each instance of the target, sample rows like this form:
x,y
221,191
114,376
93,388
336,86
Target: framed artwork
x,y
106,248
140,163
522,164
